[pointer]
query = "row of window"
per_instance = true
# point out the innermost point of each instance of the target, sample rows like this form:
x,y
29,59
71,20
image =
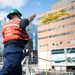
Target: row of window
x,y
72,41
65,10
69,9
61,19
58,51
61,51
57,35
55,28
56,43
43,45
68,17
70,50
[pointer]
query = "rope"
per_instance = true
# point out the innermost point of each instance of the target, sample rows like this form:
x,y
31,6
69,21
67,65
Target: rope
x,y
46,52
51,60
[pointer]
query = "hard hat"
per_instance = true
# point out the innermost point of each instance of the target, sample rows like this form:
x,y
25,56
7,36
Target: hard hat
x,y
13,11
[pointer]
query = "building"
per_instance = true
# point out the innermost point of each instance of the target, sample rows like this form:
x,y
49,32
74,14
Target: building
x,y
1,23
1,44
56,40
32,45
32,31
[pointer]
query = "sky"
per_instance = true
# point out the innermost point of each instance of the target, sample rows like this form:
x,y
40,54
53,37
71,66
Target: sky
x,y
26,7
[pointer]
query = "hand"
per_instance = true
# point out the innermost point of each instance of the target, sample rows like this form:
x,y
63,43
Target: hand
x,y
33,14
31,18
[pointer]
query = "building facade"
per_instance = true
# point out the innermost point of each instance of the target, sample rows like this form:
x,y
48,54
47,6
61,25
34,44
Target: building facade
x,y
32,45
56,40
32,31
1,40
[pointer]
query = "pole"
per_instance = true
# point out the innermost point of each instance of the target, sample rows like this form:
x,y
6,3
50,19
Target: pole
x,y
27,67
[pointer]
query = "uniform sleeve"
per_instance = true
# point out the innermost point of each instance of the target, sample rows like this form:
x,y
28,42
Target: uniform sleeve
x,y
24,23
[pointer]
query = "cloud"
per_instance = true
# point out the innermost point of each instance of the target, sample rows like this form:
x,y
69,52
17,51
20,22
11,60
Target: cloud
x,y
12,3
37,3
3,15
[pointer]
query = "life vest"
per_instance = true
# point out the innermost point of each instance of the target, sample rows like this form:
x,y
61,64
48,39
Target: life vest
x,y
12,31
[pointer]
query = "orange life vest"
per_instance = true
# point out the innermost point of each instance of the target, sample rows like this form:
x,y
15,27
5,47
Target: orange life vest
x,y
12,31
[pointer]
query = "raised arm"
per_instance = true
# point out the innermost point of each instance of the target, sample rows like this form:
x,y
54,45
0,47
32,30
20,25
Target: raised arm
x,y
31,18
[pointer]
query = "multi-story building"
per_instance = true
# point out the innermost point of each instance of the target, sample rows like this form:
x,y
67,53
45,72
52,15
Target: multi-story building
x,y
32,45
1,44
1,23
32,31
56,40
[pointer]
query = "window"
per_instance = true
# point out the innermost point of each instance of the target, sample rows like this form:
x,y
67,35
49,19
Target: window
x,y
56,43
58,51
70,50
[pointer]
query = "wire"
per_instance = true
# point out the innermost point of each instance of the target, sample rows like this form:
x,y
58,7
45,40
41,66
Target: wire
x,y
51,60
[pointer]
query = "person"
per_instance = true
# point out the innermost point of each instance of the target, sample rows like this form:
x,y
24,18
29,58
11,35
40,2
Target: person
x,y
15,38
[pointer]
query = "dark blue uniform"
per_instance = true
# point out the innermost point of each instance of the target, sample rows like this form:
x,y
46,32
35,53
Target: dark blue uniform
x,y
13,54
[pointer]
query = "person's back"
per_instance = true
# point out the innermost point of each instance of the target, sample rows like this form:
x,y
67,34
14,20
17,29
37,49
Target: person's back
x,y
12,33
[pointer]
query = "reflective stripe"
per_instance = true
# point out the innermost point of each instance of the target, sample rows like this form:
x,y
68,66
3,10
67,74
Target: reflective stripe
x,y
7,34
8,31
10,25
